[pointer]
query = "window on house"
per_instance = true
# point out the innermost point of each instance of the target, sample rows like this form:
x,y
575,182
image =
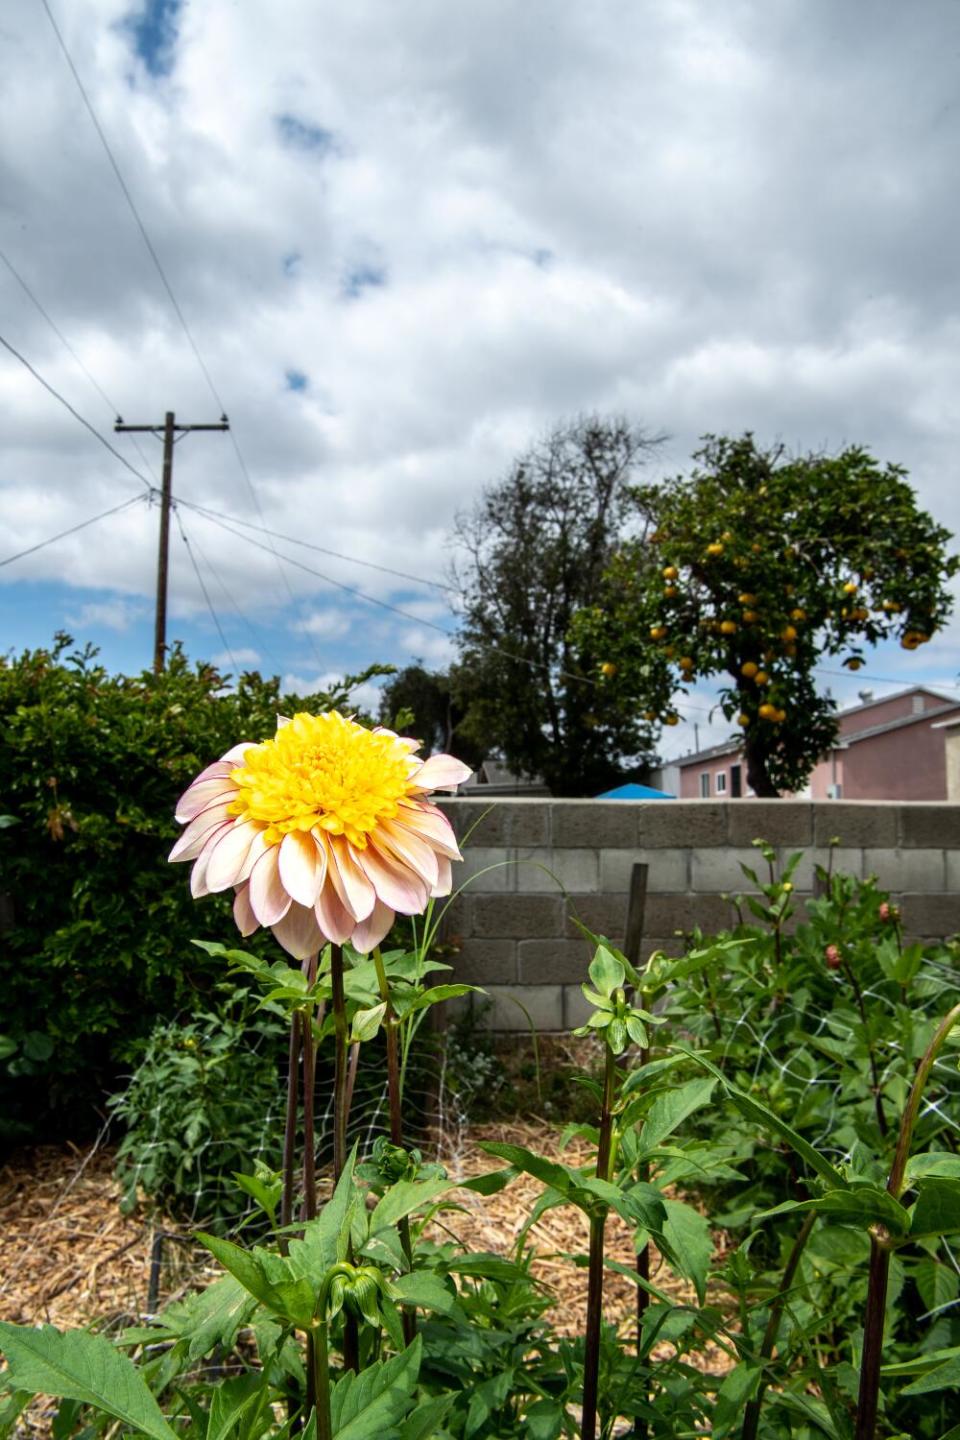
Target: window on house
x,y
721,782
736,782
705,785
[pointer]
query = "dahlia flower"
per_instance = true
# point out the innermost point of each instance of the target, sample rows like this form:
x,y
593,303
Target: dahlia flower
x,y
324,832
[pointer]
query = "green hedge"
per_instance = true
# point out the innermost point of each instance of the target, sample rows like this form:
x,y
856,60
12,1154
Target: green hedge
x,y
95,926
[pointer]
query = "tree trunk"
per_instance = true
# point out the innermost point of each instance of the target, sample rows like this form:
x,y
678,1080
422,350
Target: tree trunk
x,y
757,777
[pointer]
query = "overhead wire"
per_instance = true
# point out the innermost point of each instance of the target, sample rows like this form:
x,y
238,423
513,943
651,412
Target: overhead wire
x,y
255,630
73,529
165,281
76,415
206,594
114,409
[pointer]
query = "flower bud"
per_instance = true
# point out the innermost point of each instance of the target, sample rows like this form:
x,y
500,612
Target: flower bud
x,y
832,957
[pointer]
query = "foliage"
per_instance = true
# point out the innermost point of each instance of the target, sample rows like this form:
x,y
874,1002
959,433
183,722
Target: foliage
x,y
537,544
203,1103
754,1093
767,564
91,766
421,703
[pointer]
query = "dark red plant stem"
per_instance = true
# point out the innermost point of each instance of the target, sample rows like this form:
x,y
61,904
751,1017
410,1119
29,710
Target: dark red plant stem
x,y
877,1100
341,1098
591,1349
309,1087
290,1129
751,1418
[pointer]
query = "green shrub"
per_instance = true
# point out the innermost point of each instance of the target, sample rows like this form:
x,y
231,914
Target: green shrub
x,y
95,927
205,1101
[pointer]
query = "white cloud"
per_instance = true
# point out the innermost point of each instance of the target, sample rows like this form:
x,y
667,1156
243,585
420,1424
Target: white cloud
x,y
240,656
116,614
711,217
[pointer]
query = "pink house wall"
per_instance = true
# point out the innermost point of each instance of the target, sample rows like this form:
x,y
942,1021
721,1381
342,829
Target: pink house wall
x,y
718,765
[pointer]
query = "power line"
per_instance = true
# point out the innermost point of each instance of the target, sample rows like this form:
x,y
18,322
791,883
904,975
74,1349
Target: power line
x,y
151,250
323,550
114,409
385,605
206,594
255,630
76,414
51,539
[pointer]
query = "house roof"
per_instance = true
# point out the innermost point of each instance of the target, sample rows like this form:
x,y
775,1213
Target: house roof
x,y
857,735
728,747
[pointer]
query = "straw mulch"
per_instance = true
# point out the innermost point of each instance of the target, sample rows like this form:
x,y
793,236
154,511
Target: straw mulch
x,y
69,1257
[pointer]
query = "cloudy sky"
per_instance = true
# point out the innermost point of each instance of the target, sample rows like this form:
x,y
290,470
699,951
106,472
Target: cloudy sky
x,y
406,239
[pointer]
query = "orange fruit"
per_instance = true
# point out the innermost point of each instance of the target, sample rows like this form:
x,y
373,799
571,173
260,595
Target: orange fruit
x,y
715,549
728,627
670,572
761,678
609,669
749,668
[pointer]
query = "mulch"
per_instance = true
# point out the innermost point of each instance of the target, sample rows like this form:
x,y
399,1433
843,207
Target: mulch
x,y
69,1257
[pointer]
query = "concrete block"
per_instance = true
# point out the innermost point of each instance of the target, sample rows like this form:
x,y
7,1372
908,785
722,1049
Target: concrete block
x,y
482,821
667,913
671,823
920,871
553,962
930,825
953,870
594,823
486,870
518,917
550,871
717,871
666,869
457,917
542,1006
484,962
527,822
780,822
930,915
672,945
603,914
576,1008
856,822
845,861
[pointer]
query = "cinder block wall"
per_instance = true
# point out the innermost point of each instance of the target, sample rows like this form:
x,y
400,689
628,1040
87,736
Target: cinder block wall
x,y
531,863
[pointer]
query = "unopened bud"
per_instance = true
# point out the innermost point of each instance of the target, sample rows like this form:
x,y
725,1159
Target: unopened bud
x,y
832,957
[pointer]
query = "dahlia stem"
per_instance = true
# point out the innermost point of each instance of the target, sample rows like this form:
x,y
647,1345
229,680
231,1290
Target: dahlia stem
x,y
309,1088
318,1379
751,1417
591,1352
341,1109
873,1325
290,1130
396,1120
340,1079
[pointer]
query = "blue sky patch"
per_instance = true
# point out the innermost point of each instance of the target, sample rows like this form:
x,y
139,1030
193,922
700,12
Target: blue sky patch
x,y
363,277
300,135
154,33
296,380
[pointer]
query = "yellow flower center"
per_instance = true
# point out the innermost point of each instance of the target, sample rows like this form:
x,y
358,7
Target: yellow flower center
x,y
325,772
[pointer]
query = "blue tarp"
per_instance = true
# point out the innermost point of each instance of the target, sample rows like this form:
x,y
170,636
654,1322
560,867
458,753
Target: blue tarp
x,y
635,792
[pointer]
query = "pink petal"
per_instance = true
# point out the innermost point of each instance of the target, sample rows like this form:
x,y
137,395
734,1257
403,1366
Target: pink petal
x,y
298,932
196,834
396,886
372,930
198,875
300,867
243,915
236,753
404,741
441,772
201,794
229,853
258,848
432,824
353,888
267,896
218,770
333,917
411,849
444,879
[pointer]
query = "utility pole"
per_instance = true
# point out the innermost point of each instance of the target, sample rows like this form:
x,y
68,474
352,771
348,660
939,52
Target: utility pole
x,y
171,433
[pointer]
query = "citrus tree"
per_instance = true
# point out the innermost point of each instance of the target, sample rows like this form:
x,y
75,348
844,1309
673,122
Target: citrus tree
x,y
753,568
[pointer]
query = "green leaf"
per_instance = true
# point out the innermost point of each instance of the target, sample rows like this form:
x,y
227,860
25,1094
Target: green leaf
x,y
485,1399
739,1386
606,972
934,1165
425,1290
489,1184
290,1299
8,1046
427,1419
861,1205
670,1110
37,1045
937,1210
231,1400
327,1238
366,1023
266,1193
617,1036
691,1244
365,1405
941,1377
548,1172
404,1198
544,1420
76,1366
